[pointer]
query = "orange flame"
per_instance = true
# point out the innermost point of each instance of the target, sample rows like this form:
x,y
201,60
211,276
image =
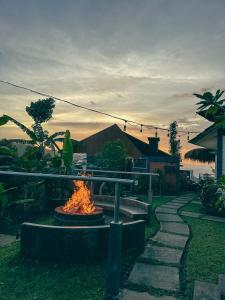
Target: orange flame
x,y
80,202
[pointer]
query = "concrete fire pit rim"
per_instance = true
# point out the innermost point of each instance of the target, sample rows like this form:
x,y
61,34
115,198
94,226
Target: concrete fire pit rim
x,y
78,227
60,210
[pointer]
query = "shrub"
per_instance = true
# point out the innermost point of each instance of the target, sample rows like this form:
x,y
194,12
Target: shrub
x,y
3,204
213,198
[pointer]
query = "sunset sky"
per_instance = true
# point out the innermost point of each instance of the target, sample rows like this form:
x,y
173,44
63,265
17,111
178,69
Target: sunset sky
x,y
138,59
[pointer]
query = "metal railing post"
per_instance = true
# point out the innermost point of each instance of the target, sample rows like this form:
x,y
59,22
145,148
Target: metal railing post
x,y
114,251
150,190
117,203
92,184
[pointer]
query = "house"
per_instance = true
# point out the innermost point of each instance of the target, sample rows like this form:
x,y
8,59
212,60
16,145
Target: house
x,y
213,138
147,157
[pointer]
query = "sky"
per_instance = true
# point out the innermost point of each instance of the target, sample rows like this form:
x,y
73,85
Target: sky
x,y
139,59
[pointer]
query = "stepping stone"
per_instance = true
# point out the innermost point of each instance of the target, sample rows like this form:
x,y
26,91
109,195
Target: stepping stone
x,y
177,228
212,218
171,205
172,240
222,284
159,277
6,239
191,214
206,291
133,295
196,202
166,210
162,254
179,202
168,218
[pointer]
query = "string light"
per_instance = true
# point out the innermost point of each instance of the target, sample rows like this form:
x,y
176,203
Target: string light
x,y
156,132
97,111
125,125
188,136
168,133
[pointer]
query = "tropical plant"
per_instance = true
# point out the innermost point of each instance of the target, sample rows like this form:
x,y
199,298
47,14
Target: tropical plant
x,y
8,154
67,152
3,203
40,111
200,154
173,141
211,106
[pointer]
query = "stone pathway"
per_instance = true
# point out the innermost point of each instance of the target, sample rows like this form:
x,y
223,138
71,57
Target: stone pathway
x,y
157,270
6,239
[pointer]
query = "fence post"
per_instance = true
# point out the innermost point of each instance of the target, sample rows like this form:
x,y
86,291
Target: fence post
x,y
114,251
92,185
150,190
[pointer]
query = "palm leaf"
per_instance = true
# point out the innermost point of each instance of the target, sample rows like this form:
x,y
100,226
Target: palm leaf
x,y
21,141
199,96
7,151
3,120
29,132
201,155
59,133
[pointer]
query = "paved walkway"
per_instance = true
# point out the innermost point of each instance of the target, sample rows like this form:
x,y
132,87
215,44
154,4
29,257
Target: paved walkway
x,y
6,239
158,269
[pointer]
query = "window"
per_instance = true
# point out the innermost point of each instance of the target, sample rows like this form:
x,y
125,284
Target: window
x,y
140,163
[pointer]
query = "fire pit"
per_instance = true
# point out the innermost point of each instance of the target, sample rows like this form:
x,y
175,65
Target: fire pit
x,y
79,210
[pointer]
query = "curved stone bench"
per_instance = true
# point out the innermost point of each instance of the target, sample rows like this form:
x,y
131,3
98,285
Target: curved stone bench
x,y
134,209
75,243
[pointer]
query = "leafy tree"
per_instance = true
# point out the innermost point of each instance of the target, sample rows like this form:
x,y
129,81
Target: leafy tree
x,y
112,156
40,111
211,106
173,141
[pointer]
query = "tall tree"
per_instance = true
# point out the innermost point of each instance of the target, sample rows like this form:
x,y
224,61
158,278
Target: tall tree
x,y
173,141
40,111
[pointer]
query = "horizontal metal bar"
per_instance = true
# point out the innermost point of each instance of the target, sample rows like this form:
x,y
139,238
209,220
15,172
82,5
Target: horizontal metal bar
x,y
73,177
118,172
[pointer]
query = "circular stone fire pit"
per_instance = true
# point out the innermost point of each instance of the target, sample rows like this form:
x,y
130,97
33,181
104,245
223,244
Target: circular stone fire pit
x,y
79,241
78,219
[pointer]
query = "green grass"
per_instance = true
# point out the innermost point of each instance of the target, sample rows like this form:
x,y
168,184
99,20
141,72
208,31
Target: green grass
x,y
157,200
205,260
153,225
27,280
193,207
24,279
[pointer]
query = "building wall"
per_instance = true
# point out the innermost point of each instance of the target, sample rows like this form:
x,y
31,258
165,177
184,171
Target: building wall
x,y
94,143
170,174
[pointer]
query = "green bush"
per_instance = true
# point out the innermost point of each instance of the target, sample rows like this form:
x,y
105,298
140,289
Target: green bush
x,y
213,198
3,204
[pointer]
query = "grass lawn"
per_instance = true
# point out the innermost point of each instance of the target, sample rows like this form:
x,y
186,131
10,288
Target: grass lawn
x,y
193,207
153,225
25,279
205,260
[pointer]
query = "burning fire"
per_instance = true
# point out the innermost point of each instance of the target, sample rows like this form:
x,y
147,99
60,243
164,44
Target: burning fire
x,y
80,202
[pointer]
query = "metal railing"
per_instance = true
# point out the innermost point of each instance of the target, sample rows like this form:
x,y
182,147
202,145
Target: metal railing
x,y
115,232
150,193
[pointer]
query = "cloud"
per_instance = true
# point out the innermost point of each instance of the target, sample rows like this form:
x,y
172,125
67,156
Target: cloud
x,y
139,60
